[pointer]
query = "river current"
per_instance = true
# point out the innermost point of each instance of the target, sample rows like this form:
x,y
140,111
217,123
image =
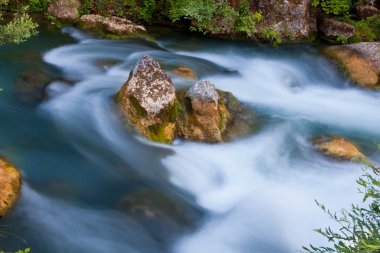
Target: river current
x,y
88,181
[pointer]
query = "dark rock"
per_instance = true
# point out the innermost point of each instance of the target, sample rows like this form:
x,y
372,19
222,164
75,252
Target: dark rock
x,y
162,216
331,29
31,86
366,11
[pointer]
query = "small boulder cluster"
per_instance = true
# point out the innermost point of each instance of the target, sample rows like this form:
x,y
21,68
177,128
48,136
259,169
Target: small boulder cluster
x,y
150,103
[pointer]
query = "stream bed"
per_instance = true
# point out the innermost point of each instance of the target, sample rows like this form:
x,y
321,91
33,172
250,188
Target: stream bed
x,y
89,185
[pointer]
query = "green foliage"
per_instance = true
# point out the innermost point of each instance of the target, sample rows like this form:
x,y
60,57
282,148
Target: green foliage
x,y
247,20
271,35
142,12
201,11
333,7
27,250
368,29
207,16
359,226
18,30
37,5
342,40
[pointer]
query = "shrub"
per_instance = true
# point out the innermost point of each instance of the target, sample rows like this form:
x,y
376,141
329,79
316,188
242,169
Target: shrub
x,y
247,20
359,226
271,35
333,7
37,5
18,30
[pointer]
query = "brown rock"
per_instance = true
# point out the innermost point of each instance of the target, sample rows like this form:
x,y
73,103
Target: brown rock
x,y
332,29
210,115
204,126
185,72
340,148
361,62
148,100
110,25
10,181
121,26
65,10
366,11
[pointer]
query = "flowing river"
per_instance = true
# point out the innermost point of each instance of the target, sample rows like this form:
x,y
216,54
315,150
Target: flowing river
x,y
91,186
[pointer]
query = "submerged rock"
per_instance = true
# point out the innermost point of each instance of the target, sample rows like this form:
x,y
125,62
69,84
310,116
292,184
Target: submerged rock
x,y
31,86
111,26
10,182
185,72
332,29
149,101
338,147
65,10
161,215
361,61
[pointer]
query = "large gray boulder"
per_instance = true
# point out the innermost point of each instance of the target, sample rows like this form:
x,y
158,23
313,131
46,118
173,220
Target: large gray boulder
x,y
149,101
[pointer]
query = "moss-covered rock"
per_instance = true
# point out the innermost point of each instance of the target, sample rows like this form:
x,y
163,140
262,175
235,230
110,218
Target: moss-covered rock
x,y
204,118
207,114
10,182
339,148
149,102
361,61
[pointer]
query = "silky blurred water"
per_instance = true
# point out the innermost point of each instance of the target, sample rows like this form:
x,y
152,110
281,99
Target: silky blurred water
x,y
255,194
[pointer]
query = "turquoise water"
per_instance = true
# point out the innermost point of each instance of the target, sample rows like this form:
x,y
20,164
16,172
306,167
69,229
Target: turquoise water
x,y
91,186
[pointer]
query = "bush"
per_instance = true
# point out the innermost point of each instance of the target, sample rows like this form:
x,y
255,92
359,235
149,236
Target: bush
x,y
37,5
19,29
333,7
247,20
360,226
